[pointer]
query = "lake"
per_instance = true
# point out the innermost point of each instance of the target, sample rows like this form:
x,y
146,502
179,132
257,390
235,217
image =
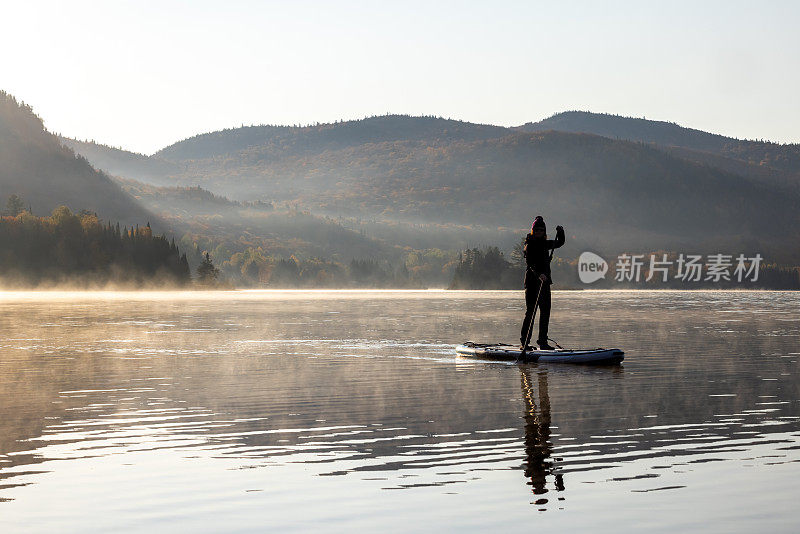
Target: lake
x,y
340,410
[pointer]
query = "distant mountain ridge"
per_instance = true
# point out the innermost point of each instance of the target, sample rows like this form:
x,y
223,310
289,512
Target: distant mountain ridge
x,y
331,136
782,157
631,129
690,191
118,162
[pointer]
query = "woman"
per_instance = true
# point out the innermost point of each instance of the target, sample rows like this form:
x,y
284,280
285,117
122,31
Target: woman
x,y
537,279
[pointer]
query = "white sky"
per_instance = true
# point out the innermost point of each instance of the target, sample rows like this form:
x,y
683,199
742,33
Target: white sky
x,y
142,75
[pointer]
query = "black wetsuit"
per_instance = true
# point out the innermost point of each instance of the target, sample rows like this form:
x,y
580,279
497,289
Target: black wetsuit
x,y
537,257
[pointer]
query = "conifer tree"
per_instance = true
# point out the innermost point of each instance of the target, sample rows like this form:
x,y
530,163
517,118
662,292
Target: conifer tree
x,y
206,272
14,206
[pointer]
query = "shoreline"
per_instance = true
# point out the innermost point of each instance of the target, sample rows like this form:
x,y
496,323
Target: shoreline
x,y
21,295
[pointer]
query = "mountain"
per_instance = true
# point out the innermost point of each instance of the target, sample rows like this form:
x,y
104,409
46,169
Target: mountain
x,y
35,166
177,200
611,194
118,162
197,212
280,141
784,158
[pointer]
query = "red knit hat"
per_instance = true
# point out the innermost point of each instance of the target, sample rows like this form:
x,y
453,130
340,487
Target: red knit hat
x,y
538,222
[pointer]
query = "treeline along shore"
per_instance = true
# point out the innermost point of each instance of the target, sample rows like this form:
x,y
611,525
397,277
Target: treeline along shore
x,y
79,250
82,251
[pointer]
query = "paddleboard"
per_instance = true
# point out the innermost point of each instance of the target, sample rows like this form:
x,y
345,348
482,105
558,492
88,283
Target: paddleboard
x,y
505,352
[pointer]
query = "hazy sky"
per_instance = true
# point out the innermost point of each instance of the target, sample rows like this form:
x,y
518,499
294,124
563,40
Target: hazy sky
x,y
142,75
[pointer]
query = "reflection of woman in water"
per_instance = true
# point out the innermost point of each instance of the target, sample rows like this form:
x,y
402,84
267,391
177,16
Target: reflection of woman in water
x,y
538,447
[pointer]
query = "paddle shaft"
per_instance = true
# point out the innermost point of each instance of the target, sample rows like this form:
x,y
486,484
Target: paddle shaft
x,y
533,316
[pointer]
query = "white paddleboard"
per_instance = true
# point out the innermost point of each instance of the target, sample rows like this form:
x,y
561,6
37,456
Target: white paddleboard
x,y
505,352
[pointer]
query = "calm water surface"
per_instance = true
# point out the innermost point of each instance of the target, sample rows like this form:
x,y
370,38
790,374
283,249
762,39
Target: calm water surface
x,y
244,411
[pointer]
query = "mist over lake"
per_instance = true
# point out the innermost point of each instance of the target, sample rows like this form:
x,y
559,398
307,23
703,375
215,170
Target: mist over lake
x,y
254,410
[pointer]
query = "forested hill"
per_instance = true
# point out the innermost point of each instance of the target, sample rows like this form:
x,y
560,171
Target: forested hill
x,y
118,162
620,193
35,166
609,192
781,157
278,141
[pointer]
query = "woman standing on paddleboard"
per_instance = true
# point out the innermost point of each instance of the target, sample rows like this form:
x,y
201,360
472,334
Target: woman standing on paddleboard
x,y
537,252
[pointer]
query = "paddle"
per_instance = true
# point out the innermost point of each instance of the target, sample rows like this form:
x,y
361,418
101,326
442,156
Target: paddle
x,y
530,325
